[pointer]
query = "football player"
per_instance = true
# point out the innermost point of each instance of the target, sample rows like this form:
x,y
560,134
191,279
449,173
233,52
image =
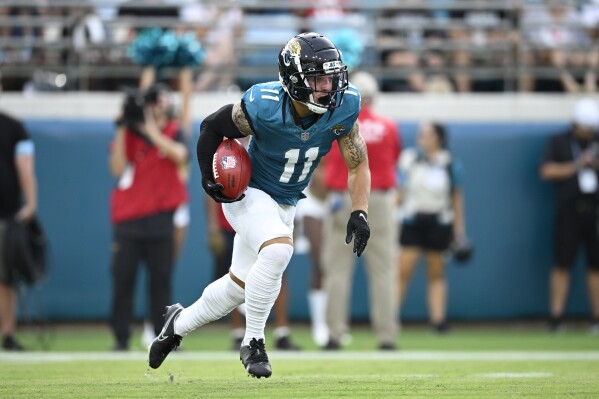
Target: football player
x,y
292,123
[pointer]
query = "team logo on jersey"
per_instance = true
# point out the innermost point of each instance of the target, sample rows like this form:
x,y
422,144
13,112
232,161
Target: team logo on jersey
x,y
229,162
305,136
337,129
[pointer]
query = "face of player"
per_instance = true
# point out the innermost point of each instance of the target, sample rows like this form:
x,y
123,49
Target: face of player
x,y
428,139
321,86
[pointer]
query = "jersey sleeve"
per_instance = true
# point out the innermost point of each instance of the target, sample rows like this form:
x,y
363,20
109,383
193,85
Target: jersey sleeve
x,y
259,103
351,108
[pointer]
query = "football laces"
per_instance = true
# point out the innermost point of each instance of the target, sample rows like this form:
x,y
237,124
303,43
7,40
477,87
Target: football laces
x,y
214,170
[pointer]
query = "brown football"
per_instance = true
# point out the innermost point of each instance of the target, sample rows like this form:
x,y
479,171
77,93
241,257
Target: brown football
x,y
231,167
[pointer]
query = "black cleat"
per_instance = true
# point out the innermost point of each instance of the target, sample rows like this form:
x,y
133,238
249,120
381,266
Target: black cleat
x,y
237,344
10,343
556,325
441,328
255,359
167,340
284,343
387,346
332,345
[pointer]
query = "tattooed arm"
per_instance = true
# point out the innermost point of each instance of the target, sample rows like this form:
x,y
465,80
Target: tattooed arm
x,y
353,150
240,120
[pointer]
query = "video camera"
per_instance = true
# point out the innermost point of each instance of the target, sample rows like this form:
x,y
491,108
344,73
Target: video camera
x,y
135,102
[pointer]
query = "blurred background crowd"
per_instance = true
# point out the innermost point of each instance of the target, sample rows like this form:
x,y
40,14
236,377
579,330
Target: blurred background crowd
x,y
411,45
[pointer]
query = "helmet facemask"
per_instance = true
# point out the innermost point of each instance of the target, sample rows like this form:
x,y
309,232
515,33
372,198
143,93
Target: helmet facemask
x,y
306,85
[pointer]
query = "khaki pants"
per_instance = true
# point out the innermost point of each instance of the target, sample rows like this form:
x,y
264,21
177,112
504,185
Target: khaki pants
x,y
338,262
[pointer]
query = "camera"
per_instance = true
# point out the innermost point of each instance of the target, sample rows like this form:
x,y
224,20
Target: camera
x,y
133,110
135,102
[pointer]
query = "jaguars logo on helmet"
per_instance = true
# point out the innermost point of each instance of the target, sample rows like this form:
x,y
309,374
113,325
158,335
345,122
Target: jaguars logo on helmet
x,y
308,56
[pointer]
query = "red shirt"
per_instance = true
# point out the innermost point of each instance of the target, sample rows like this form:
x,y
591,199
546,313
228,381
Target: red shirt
x,y
222,220
156,185
383,145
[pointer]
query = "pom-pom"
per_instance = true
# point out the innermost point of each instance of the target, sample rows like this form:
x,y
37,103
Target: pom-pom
x,y
189,51
153,47
349,43
166,49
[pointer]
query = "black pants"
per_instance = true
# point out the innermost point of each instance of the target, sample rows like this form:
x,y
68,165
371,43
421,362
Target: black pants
x,y
576,224
128,251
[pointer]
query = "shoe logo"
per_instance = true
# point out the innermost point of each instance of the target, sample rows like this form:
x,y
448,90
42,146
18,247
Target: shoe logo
x,y
251,95
363,217
161,338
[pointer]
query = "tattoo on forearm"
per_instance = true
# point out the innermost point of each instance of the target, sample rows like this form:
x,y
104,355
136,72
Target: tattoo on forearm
x,y
354,146
240,120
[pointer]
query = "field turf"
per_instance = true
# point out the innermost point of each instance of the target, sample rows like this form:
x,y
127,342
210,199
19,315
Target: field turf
x,y
472,362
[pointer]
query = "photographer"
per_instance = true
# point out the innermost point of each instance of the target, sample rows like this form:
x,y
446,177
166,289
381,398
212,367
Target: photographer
x,y
147,154
571,161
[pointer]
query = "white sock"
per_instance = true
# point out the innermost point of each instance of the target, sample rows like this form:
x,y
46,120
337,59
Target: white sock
x,y
317,303
262,287
217,300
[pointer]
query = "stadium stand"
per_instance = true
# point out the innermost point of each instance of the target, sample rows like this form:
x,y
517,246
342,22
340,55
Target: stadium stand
x,y
485,46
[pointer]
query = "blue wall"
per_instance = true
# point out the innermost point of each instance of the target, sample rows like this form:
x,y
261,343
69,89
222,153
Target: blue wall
x,y
508,216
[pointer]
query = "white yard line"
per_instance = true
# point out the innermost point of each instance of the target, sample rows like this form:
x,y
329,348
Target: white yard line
x,y
515,375
427,356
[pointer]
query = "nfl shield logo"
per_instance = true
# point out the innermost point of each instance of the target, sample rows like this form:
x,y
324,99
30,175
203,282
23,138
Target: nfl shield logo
x,y
304,136
229,162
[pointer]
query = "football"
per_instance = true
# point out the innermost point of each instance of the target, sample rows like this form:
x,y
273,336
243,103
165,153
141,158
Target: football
x,y
231,167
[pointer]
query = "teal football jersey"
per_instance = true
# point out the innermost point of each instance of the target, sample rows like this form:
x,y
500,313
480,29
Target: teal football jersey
x,y
283,154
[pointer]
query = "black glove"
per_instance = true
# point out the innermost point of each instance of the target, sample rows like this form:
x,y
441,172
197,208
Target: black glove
x,y
357,227
214,190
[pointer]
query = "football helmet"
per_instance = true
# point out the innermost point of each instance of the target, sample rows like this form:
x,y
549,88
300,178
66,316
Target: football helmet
x,y
308,64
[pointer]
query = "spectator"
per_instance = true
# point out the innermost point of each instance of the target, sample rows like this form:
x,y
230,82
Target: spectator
x,y
403,43
558,37
146,156
309,215
18,199
432,214
221,238
436,80
225,22
382,143
571,161
480,36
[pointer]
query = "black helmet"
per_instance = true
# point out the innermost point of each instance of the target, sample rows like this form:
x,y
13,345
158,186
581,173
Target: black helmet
x,y
308,56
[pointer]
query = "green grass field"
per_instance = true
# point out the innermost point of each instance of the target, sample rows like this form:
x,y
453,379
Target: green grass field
x,y
473,362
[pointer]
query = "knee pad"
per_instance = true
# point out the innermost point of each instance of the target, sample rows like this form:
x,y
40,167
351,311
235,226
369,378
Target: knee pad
x,y
276,257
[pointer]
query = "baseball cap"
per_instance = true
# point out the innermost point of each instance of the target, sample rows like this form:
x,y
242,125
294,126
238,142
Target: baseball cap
x,y
366,83
586,113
